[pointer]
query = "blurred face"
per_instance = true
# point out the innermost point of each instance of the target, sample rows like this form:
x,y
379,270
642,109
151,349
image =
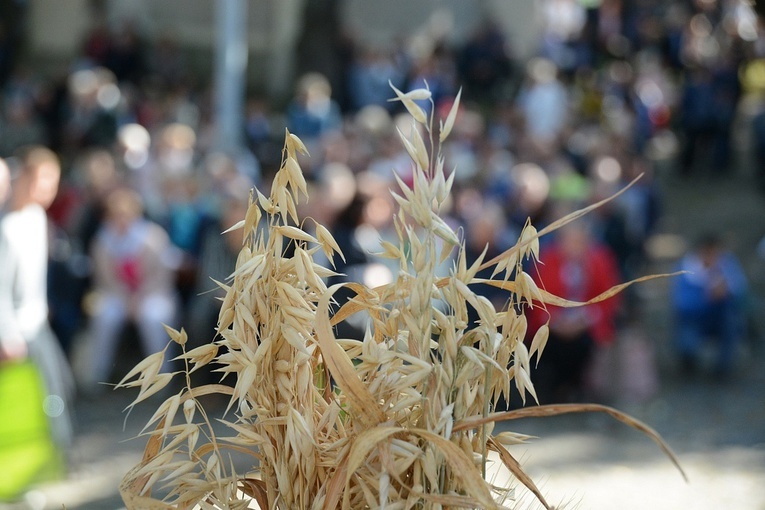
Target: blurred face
x,y
709,255
574,241
121,217
44,185
123,209
101,172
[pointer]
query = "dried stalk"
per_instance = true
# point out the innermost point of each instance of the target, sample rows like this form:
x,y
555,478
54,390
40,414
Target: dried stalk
x,y
401,419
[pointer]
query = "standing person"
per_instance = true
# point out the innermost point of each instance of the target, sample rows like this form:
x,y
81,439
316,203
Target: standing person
x,y
24,329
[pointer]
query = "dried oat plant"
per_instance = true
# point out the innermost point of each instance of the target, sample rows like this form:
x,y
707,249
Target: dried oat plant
x,y
402,419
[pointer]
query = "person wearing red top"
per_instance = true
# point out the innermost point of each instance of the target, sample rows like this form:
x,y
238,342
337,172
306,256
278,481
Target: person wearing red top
x,y
576,267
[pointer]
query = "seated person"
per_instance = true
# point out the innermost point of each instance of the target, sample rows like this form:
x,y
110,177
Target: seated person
x,y
576,267
133,279
708,302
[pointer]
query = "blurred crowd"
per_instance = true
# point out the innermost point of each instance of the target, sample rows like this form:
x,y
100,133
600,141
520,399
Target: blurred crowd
x,y
135,230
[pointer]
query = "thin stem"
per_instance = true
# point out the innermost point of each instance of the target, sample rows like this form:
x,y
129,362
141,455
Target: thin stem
x,y
485,413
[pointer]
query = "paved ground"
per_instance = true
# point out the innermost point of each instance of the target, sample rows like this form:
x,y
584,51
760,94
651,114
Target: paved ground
x,y
584,461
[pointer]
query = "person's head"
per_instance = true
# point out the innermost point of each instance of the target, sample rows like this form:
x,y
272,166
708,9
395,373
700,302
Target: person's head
x,y
38,176
335,189
484,225
709,247
123,207
313,87
100,171
542,70
575,239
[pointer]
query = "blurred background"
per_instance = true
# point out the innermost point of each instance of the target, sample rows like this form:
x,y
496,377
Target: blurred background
x,y
167,113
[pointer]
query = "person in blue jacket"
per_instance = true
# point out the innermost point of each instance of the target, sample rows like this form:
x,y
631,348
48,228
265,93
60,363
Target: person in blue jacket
x,y
708,303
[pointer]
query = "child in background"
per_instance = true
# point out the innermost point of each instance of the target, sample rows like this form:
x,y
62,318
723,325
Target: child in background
x,y
133,280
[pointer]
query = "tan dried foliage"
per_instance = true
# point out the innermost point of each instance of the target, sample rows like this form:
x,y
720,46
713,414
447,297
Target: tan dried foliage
x,y
401,419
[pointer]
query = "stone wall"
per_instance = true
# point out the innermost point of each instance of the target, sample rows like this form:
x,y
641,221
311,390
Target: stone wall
x,y
56,29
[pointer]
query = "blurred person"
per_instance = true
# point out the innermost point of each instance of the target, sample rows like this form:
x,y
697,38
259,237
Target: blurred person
x,y
378,215
217,261
564,21
342,208
642,208
20,125
218,173
707,302
544,102
390,157
707,111
484,62
24,329
334,148
166,61
653,96
486,228
436,71
339,206
258,128
180,105
497,166
578,268
217,258
96,176
134,152
91,119
461,149
8,52
363,140
126,56
97,42
369,78
133,280
175,148
532,189
76,215
611,225
167,158
312,112
68,272
187,213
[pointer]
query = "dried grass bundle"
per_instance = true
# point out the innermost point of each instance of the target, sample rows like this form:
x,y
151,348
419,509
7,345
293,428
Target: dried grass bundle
x,y
402,419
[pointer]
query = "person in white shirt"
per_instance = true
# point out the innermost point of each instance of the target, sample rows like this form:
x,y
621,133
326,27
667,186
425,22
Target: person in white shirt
x,y
24,328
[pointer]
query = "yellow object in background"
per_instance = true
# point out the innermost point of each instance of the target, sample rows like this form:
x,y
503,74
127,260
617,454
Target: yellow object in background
x,y
27,451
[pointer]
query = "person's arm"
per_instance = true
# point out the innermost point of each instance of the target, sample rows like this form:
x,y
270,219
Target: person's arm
x,y
12,343
735,279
